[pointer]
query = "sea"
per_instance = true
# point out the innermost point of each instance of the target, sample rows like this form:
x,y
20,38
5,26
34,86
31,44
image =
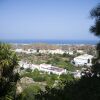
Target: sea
x,y
63,42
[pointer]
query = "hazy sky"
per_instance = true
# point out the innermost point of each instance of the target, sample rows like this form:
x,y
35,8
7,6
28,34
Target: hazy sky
x,y
46,19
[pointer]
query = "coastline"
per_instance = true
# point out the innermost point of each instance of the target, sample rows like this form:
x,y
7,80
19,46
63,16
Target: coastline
x,y
54,42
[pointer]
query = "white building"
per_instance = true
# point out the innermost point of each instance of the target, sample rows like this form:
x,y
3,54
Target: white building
x,y
25,51
32,50
52,69
24,64
83,60
27,65
56,51
43,67
77,75
80,51
43,51
69,52
19,50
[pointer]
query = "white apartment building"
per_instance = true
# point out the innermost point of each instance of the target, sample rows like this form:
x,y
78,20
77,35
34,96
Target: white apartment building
x,y
83,60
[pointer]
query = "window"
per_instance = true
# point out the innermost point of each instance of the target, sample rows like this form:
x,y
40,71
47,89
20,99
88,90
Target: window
x,y
88,60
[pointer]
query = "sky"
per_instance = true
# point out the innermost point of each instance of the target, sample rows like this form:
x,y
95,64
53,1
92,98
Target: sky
x,y
46,19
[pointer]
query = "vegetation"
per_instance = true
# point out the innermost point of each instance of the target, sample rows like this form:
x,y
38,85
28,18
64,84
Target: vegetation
x,y
85,89
38,76
95,13
35,75
8,78
32,92
29,93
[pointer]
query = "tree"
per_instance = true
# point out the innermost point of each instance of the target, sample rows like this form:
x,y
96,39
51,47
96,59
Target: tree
x,y
95,13
8,78
29,93
66,77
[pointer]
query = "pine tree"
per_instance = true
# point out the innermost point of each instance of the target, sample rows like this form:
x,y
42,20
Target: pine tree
x,y
95,29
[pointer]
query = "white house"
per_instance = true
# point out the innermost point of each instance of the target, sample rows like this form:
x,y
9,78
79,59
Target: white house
x,y
80,51
19,50
83,60
27,65
25,51
56,51
43,51
32,50
69,52
24,64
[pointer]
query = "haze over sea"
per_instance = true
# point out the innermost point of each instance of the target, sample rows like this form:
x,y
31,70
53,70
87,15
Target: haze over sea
x,y
91,42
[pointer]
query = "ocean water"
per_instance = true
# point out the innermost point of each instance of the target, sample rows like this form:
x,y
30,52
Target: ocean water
x,y
92,42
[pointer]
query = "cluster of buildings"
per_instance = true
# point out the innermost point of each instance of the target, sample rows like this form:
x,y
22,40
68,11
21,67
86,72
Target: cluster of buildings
x,y
49,51
82,60
78,61
26,51
43,67
56,51
49,69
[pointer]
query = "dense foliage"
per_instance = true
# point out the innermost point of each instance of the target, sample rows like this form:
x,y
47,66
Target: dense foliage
x,y
8,78
38,76
85,89
95,13
34,91
29,93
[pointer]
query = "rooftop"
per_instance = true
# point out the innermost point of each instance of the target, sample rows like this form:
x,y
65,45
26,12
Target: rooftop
x,y
85,56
